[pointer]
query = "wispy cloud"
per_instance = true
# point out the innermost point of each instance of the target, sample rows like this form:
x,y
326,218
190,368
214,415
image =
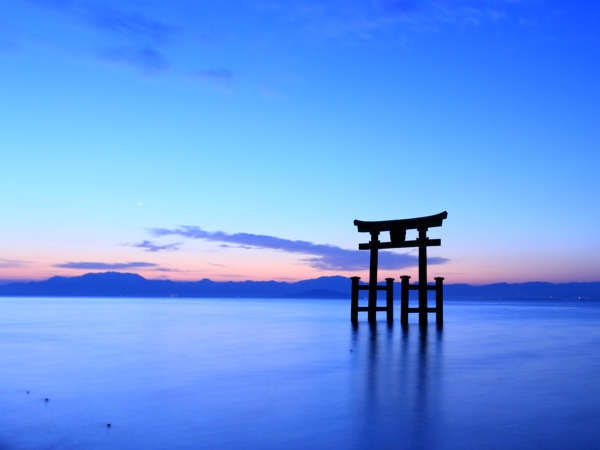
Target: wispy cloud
x,y
104,266
12,263
270,93
8,42
117,21
131,38
55,4
222,78
150,246
7,46
245,247
398,6
133,25
140,37
321,256
387,19
147,60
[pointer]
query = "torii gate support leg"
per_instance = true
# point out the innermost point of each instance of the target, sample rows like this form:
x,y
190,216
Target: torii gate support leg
x,y
404,299
354,299
389,297
423,276
439,300
372,313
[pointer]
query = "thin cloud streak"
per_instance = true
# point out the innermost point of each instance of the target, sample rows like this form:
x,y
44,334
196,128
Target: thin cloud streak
x,y
388,19
12,263
133,25
141,37
104,266
147,60
322,256
150,246
222,78
111,20
398,6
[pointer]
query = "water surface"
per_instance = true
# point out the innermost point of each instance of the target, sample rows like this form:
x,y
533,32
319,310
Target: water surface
x,y
276,374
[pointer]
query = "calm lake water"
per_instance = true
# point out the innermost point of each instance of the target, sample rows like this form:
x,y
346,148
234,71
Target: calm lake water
x,y
279,374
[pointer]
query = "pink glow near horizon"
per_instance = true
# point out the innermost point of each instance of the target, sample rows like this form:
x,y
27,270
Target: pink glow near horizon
x,y
453,273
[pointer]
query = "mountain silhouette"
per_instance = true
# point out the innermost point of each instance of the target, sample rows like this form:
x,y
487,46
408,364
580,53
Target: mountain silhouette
x,y
118,284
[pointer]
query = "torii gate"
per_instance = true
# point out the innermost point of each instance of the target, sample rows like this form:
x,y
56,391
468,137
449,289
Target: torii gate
x,y
397,230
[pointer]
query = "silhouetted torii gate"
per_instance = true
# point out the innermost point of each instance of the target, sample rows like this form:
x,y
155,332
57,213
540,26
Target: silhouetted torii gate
x,y
397,230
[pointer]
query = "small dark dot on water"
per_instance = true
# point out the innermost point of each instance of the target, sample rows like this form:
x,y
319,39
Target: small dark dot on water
x,y
108,425
350,349
45,399
27,392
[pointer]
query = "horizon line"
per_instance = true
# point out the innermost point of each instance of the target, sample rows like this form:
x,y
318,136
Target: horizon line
x,y
5,281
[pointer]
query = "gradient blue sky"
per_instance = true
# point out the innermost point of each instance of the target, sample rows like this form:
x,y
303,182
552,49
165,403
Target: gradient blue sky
x,y
191,139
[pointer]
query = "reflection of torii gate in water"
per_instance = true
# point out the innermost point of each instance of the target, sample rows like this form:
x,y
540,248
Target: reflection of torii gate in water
x,y
397,230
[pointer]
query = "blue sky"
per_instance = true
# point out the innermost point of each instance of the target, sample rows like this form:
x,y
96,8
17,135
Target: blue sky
x,y
276,122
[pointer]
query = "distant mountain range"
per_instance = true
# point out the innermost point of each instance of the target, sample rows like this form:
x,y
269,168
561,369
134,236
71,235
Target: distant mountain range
x,y
116,284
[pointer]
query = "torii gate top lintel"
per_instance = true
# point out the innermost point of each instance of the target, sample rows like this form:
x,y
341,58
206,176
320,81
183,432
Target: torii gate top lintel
x,y
403,224
397,229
